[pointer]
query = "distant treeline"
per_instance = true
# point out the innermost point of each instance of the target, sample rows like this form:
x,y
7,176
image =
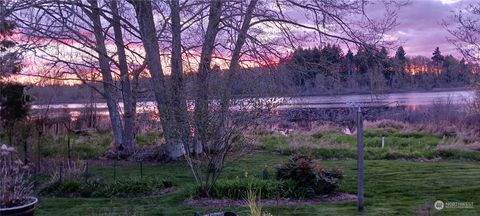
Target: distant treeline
x,y
325,70
328,69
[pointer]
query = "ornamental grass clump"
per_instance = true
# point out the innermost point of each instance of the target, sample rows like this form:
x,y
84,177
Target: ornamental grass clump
x,y
15,185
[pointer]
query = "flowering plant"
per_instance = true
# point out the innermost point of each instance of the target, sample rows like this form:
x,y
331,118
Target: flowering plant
x,y
15,185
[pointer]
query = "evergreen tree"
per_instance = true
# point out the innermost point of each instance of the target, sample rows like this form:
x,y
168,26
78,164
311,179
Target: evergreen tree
x,y
384,59
399,62
13,99
10,59
437,57
14,106
400,56
349,69
349,63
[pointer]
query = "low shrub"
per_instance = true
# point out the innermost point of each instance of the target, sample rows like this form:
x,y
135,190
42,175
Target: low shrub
x,y
62,189
317,135
237,188
309,175
120,188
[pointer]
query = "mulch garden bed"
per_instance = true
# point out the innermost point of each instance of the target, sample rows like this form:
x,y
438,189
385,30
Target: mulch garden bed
x,y
222,203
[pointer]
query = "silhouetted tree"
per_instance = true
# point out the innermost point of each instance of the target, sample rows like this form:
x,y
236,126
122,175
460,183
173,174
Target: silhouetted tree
x,y
10,59
399,62
437,57
400,56
14,106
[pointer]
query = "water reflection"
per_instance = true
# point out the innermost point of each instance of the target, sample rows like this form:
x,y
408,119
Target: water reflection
x,y
410,101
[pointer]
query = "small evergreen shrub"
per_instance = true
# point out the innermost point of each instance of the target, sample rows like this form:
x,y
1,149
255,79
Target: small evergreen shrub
x,y
309,175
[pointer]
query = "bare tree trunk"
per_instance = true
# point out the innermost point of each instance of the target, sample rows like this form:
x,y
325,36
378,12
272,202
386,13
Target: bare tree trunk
x,y
144,15
108,84
178,85
128,103
201,103
233,67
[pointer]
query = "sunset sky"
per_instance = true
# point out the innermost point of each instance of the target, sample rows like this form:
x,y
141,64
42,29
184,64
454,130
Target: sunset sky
x,y
420,27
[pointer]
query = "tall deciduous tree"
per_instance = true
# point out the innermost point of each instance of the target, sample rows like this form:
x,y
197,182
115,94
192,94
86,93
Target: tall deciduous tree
x,y
75,38
464,29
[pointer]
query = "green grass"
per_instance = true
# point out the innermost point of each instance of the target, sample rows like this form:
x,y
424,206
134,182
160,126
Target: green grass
x,y
274,142
82,147
149,138
392,187
336,145
393,139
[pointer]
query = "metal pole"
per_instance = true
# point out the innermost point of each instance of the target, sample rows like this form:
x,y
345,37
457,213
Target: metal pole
x,y
69,150
25,151
360,166
114,170
141,169
61,172
86,172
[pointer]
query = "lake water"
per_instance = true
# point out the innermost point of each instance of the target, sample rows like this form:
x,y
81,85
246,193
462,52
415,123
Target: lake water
x,y
411,100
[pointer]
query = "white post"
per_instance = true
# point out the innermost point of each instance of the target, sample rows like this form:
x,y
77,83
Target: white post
x,y
383,141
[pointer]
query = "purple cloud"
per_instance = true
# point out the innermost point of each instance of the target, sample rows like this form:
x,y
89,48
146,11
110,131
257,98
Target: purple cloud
x,y
420,27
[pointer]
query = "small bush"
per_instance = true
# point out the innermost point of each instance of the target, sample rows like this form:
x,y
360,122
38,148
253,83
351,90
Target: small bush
x,y
119,188
309,175
237,188
317,136
62,189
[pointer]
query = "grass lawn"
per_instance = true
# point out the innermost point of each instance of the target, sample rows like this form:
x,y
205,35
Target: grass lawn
x,y
398,145
392,187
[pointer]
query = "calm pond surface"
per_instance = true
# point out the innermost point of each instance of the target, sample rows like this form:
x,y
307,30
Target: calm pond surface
x,y
411,100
